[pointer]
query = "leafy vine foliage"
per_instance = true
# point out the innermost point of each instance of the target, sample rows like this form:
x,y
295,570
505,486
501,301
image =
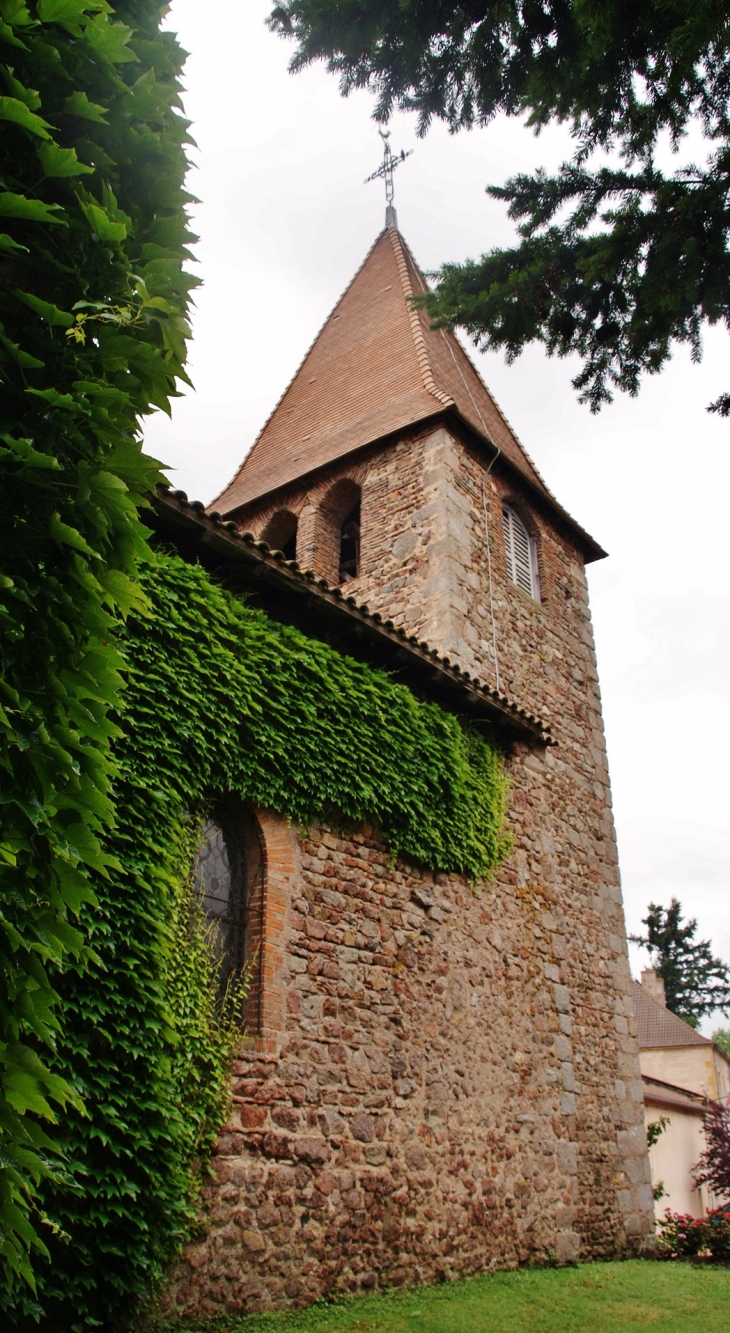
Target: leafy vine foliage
x,y
221,700
616,263
226,699
113,1063
93,302
146,1048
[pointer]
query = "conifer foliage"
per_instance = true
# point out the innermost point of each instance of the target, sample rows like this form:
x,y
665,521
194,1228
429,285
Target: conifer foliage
x,y
93,302
617,261
695,981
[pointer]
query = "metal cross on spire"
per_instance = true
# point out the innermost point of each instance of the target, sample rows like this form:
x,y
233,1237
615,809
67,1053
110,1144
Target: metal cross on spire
x,y
385,171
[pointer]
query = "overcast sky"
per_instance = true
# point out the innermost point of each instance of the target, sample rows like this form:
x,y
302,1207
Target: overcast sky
x,y
285,220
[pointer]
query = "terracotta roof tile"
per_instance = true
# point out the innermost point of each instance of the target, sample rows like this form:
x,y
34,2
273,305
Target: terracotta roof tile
x,y
376,367
657,1026
455,373
361,379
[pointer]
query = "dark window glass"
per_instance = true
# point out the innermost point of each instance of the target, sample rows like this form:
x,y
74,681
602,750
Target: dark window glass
x,y
228,878
350,546
217,883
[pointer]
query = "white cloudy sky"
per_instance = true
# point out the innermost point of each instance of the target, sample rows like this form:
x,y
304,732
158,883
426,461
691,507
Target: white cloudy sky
x,y
285,220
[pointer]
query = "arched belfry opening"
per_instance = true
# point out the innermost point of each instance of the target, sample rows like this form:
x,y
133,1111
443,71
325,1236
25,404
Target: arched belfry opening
x,y
280,533
337,533
350,545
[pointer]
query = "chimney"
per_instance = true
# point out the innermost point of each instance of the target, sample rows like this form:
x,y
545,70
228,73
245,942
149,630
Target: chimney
x,y
654,984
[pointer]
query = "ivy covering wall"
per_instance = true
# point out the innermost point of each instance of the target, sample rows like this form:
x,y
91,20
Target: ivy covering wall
x,y
221,699
93,301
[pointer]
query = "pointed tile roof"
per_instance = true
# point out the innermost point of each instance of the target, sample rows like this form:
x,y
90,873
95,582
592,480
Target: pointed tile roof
x,y
376,367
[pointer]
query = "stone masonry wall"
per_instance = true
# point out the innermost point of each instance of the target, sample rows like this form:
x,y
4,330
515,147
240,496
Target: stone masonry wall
x,y
447,1077
435,1100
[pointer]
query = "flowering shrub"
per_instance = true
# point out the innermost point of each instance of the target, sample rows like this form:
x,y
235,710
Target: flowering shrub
x,y
718,1229
683,1235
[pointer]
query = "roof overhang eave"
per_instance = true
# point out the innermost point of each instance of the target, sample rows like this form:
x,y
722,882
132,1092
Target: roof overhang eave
x,y
589,547
299,598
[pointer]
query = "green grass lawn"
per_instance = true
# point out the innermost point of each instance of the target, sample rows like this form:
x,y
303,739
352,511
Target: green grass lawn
x,y
595,1298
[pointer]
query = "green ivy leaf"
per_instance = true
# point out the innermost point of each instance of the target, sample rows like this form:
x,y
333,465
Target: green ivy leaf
x,y
16,12
12,109
123,593
79,105
51,313
8,245
101,224
31,210
30,96
20,357
64,534
7,35
26,453
110,40
61,161
69,13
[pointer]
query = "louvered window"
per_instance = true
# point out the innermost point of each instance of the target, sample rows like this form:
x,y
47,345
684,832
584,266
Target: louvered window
x,y
521,553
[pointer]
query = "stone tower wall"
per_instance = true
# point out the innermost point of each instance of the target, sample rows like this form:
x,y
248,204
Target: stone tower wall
x,y
434,1092
448,1077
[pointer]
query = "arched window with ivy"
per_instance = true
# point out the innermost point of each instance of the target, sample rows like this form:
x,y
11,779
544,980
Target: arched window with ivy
x,y
228,877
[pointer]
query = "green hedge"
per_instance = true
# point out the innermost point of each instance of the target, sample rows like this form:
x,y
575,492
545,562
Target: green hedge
x,y
222,699
93,302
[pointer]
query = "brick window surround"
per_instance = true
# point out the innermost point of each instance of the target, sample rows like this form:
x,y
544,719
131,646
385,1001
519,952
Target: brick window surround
x,y
280,884
338,502
280,533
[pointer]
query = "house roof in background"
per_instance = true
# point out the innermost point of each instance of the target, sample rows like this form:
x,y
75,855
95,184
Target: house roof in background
x,y
375,368
658,1026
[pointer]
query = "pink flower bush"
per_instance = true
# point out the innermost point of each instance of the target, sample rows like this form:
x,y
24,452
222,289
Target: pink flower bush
x,y
682,1235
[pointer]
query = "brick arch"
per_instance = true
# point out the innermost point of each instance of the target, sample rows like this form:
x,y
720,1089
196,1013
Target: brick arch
x,y
281,532
262,855
280,885
336,504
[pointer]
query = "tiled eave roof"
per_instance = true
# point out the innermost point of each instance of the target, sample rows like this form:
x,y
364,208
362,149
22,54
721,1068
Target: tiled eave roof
x,y
671,1098
454,421
299,598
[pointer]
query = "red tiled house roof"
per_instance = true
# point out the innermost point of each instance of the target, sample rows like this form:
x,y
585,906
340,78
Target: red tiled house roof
x,y
658,1026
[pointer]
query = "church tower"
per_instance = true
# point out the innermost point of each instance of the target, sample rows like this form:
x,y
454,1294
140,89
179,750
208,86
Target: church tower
x,y
453,1078
388,470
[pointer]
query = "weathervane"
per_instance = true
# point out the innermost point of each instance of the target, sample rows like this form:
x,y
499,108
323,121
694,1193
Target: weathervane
x,y
385,171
